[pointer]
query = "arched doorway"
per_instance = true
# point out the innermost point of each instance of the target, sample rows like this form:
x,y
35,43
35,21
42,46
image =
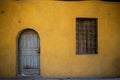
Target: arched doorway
x,y
29,53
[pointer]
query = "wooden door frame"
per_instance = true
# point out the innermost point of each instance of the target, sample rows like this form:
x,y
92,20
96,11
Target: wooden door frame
x,y
17,50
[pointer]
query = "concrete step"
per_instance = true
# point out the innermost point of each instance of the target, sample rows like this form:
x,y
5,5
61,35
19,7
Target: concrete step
x,y
39,78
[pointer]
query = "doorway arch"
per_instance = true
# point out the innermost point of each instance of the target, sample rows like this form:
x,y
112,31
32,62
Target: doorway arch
x,y
28,53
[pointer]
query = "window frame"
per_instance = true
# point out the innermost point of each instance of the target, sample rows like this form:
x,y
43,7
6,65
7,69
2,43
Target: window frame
x,y
95,36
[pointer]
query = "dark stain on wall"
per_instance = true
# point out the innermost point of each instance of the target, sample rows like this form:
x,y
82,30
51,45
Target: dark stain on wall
x,y
1,11
19,21
17,0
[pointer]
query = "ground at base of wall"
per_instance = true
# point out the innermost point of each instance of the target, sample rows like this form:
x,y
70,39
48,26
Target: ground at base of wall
x,y
39,78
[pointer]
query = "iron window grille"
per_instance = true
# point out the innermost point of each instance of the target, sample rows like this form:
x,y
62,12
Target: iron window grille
x,y
86,36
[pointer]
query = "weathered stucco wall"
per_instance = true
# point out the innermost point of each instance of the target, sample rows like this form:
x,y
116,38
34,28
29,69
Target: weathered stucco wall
x,y
55,23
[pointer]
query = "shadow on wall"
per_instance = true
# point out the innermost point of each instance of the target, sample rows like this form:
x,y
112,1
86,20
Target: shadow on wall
x,y
116,63
6,50
4,59
111,0
92,0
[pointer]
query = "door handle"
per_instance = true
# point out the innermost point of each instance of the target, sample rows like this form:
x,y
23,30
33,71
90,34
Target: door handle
x,y
38,51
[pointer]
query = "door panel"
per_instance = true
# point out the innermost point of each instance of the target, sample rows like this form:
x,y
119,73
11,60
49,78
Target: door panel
x,y
29,56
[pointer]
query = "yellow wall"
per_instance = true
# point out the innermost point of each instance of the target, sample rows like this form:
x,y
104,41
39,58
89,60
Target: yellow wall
x,y
55,23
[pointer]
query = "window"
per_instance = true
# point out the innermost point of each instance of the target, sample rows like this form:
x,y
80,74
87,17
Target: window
x,y
86,36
